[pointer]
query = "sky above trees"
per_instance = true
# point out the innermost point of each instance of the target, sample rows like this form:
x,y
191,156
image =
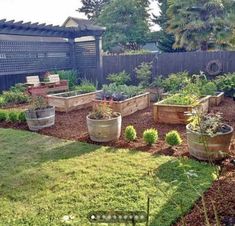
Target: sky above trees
x,y
46,11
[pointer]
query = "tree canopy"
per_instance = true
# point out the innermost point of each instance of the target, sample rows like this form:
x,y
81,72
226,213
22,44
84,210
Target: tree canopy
x,y
201,24
126,23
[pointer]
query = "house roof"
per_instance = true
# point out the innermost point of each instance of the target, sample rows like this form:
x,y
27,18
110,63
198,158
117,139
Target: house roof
x,y
84,24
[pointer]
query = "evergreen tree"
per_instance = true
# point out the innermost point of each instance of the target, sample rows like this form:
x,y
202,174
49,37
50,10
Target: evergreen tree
x,y
92,8
164,39
126,23
201,24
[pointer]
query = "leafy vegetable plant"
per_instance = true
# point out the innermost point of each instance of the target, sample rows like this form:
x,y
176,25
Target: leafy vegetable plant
x,y
121,78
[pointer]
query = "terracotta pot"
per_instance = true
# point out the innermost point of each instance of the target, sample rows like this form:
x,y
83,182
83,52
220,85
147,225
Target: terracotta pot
x,y
204,147
104,130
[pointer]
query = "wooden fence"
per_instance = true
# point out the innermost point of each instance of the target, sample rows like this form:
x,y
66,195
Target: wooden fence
x,y
167,63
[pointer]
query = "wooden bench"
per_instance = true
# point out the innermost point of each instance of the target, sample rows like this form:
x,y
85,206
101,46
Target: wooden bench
x,y
57,85
35,88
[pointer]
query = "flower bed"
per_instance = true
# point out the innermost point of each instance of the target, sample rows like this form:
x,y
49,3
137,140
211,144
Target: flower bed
x,y
175,114
68,101
130,105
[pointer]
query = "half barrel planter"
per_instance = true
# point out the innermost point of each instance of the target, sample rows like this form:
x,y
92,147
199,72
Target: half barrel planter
x,y
175,114
204,147
129,106
69,101
216,100
40,118
105,130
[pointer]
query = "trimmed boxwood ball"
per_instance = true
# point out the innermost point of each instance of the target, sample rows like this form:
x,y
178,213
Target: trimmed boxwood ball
x,y
130,133
173,138
22,117
150,136
13,116
3,116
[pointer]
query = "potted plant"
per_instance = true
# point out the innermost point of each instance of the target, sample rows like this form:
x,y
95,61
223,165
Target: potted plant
x,y
103,124
208,137
40,115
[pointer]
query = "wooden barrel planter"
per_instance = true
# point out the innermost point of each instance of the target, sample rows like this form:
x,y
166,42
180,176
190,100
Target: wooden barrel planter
x,y
69,101
175,114
129,106
217,147
104,130
216,100
40,118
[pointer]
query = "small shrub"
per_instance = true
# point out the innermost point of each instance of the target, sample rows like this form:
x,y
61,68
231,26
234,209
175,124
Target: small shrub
x,y
226,83
2,101
22,117
18,88
144,74
175,82
12,97
70,76
121,78
130,133
13,116
173,138
3,116
86,87
208,89
150,136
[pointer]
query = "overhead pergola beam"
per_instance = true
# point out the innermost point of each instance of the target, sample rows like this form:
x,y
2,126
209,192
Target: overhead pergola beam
x,y
35,29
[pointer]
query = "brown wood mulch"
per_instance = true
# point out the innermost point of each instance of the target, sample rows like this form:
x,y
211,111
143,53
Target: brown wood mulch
x,y
72,126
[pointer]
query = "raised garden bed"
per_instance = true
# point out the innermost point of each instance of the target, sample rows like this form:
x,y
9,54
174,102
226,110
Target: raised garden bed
x,y
130,105
175,114
69,101
215,100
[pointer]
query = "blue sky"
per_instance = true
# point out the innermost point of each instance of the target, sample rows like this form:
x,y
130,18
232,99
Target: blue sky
x,y
45,11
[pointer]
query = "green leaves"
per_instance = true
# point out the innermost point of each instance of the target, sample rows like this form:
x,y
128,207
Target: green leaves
x,y
126,23
201,24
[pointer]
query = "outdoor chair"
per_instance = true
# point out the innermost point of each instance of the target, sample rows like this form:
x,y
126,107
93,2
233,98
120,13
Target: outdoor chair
x,y
35,87
56,85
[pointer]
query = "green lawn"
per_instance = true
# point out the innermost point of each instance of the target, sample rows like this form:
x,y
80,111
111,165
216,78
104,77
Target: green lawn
x,y
45,179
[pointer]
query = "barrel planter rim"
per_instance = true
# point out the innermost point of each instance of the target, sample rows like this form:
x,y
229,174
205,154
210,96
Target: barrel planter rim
x,y
105,120
204,134
40,109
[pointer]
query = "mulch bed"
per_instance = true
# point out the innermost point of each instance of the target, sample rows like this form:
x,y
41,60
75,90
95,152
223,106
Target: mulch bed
x,y
72,126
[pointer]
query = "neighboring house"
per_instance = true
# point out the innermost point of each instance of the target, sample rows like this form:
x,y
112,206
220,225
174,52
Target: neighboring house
x,y
82,23
151,47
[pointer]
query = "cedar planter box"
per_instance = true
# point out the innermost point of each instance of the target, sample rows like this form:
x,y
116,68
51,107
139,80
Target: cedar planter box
x,y
69,101
175,114
129,106
217,99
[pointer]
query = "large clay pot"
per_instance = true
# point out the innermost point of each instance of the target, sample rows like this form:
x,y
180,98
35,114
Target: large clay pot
x,y
40,118
104,130
204,147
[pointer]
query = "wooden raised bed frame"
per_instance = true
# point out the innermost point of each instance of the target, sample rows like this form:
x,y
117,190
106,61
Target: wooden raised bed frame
x,y
217,99
175,114
66,104
131,105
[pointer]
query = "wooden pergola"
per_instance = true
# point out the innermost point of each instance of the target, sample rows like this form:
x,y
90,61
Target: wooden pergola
x,y
36,29
25,56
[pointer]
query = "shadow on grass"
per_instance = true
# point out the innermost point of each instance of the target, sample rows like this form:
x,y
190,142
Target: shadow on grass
x,y
188,180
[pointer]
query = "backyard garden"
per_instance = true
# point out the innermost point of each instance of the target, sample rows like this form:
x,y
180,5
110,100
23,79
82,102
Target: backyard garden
x,y
164,146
